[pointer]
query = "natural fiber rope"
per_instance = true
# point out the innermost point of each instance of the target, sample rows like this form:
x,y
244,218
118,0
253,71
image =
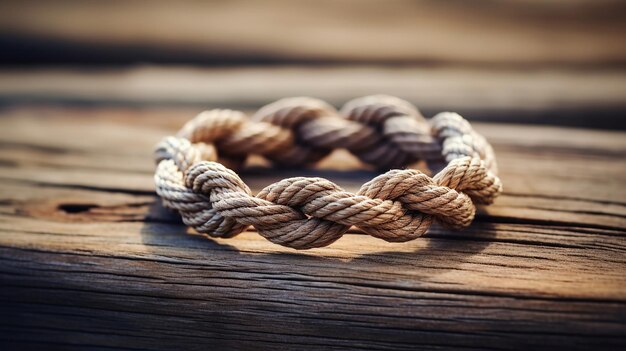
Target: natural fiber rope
x,y
304,213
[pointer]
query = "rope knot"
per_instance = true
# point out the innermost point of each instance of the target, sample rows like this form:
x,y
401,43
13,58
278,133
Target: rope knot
x,y
179,150
418,192
405,134
472,176
292,112
212,177
304,213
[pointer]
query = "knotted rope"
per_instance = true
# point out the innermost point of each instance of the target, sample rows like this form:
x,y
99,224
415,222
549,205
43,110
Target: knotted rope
x,y
304,213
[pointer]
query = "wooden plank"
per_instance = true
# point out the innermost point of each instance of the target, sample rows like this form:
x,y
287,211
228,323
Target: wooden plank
x,y
503,33
594,98
91,260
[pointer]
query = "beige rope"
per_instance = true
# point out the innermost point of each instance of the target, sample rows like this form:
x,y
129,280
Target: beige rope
x,y
304,213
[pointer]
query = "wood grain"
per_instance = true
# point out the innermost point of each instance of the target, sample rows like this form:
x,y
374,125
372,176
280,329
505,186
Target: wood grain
x,y
90,260
557,96
483,32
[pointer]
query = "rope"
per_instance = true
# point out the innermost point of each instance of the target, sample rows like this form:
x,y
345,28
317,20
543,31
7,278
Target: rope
x,y
304,213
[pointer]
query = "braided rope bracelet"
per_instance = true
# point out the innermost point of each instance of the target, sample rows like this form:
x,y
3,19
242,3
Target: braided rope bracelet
x,y
304,213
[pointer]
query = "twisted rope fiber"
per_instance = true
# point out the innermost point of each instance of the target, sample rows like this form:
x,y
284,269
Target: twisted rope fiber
x,y
304,213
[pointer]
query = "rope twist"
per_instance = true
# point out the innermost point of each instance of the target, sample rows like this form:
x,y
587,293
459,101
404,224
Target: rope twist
x,y
306,212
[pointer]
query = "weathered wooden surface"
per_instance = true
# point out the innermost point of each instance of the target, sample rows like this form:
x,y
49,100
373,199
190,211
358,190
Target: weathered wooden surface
x,y
481,32
557,96
89,259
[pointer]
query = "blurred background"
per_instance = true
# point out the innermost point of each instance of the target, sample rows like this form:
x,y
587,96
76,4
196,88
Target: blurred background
x,y
560,62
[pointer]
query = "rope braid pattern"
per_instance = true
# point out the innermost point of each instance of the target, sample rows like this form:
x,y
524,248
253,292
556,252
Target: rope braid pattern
x,y
304,213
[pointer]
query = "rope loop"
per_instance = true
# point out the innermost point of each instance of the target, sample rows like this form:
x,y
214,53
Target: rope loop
x,y
307,212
